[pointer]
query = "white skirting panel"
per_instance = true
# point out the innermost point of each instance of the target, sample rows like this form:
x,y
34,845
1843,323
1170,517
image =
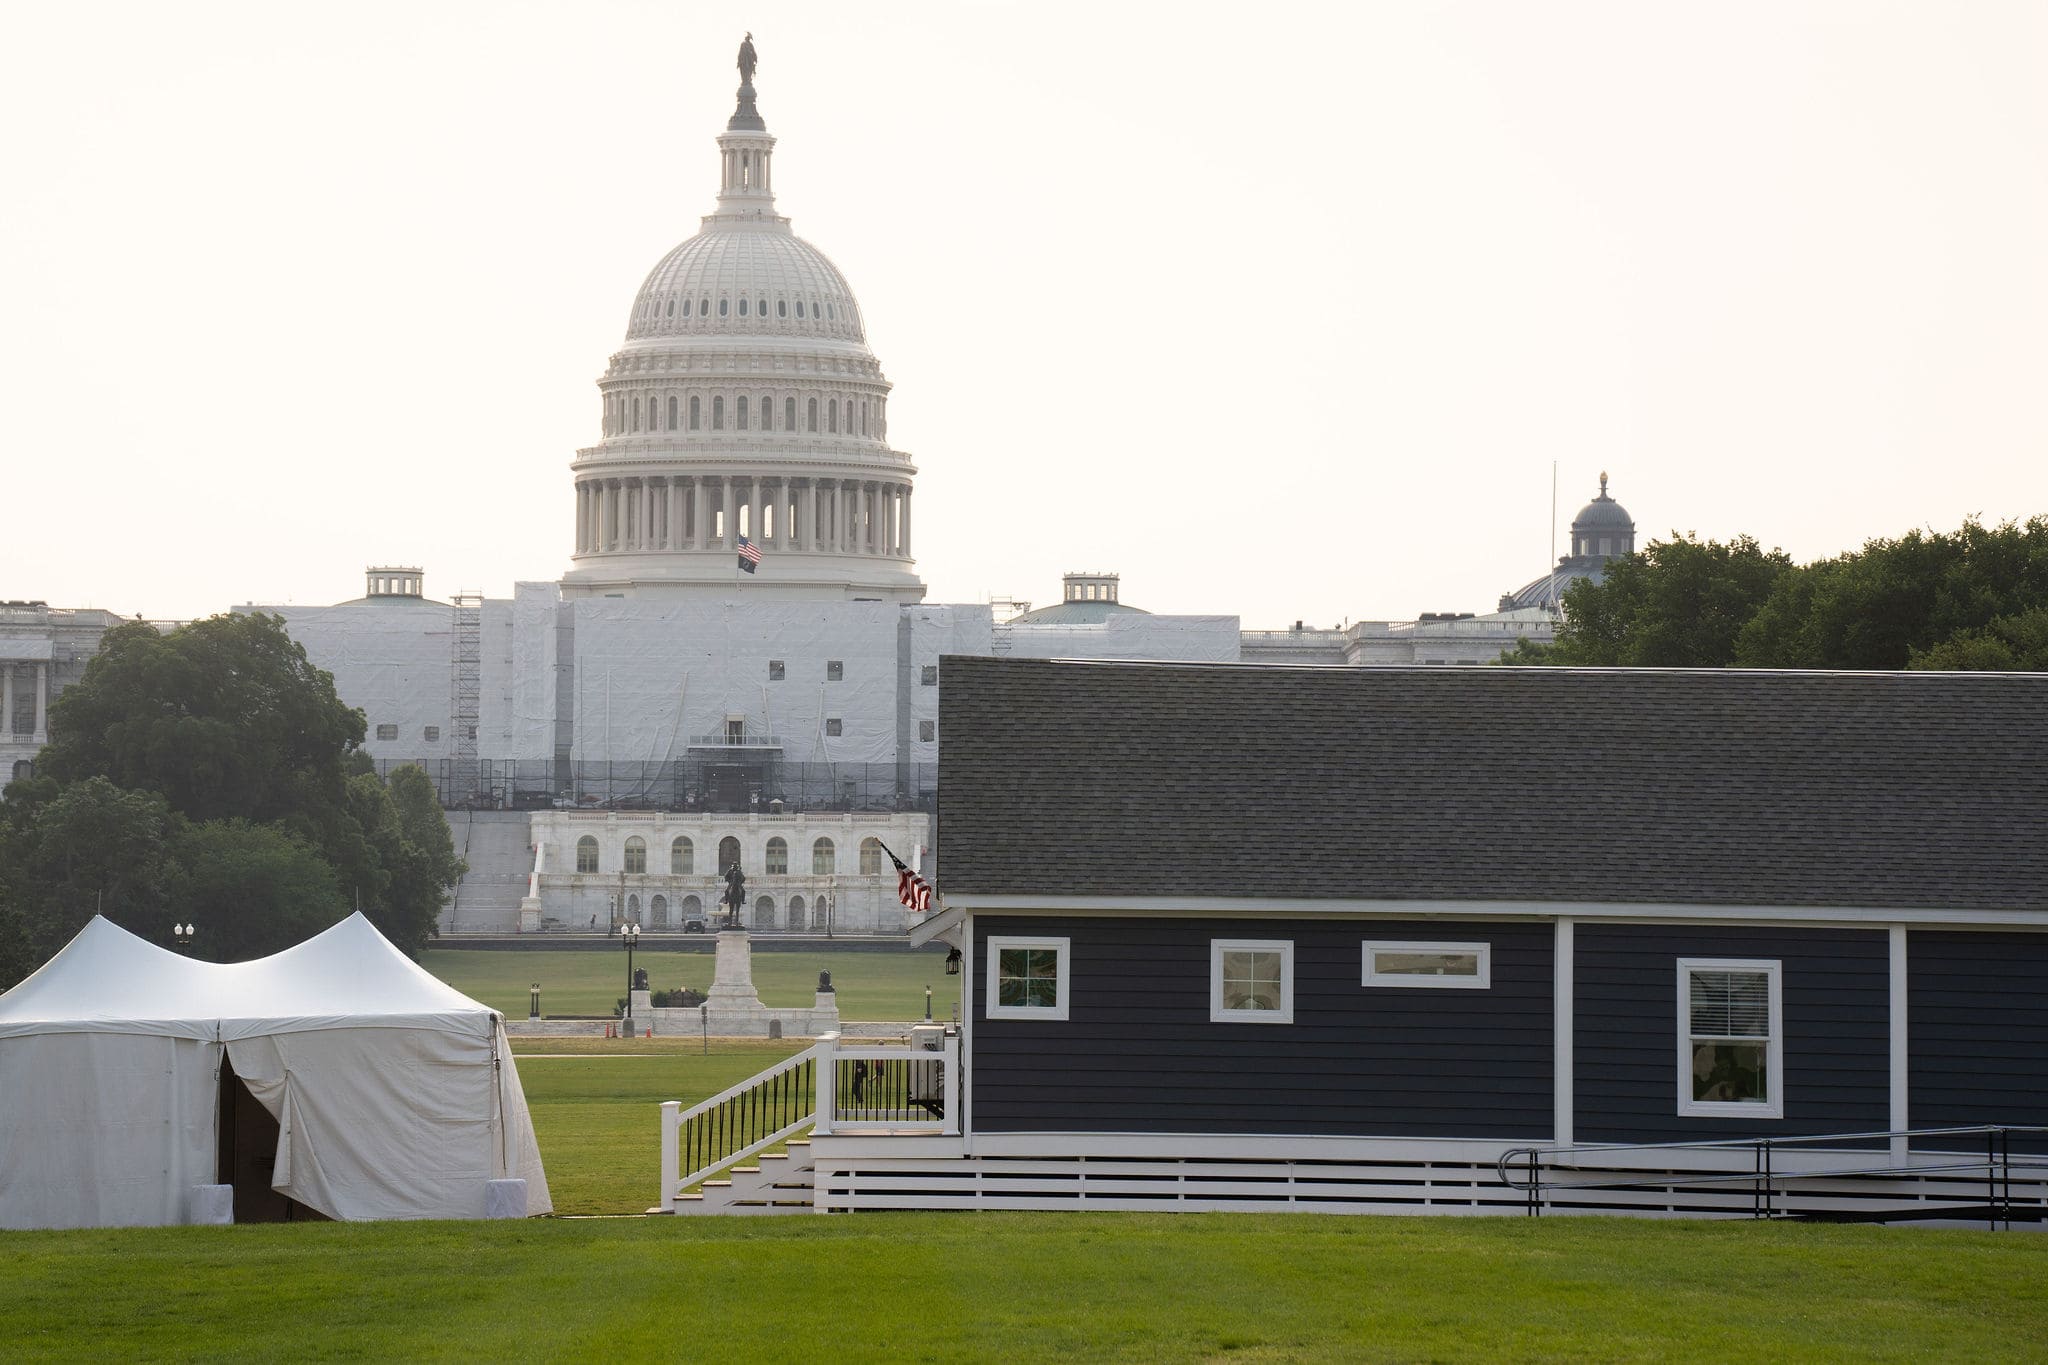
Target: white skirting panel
x,y
1452,1179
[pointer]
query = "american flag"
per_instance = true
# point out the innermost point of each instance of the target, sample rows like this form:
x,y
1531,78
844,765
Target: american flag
x,y
750,554
913,890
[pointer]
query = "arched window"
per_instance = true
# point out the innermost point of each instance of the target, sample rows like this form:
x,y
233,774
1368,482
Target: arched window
x,y
671,414
632,909
796,912
728,854
767,413
782,308
691,908
636,414
789,414
671,307
764,913
718,413
686,308
761,307
682,857
863,416
696,414
703,308
723,305
586,854
829,314
823,863
739,415
814,415
831,415
778,857
743,307
658,911
799,307
636,854
870,857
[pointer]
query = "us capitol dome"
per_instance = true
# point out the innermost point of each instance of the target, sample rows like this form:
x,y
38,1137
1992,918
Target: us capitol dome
x,y
744,403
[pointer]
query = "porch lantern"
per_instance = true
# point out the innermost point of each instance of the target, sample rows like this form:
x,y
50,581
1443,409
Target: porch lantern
x,y
953,962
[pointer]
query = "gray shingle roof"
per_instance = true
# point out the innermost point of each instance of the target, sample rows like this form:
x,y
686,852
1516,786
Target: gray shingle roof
x,y
1702,788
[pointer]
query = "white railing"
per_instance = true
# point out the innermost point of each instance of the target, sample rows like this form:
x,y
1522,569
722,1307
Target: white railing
x,y
540,854
826,1087
871,1089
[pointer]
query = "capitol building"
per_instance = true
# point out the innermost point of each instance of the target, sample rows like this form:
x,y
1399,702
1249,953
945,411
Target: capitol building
x,y
738,664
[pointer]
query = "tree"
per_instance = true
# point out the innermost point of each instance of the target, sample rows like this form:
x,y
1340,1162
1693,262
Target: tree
x,y
1895,600
68,852
225,717
1675,604
228,725
252,889
2006,644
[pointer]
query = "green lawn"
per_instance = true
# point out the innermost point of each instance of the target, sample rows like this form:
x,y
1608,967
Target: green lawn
x,y
1027,1287
597,1113
870,985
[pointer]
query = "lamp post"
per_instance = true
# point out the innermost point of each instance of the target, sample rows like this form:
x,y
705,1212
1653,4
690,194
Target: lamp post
x,y
630,936
182,934
533,1002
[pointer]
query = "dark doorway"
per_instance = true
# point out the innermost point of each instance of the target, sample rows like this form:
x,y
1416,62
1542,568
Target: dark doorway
x,y
248,1154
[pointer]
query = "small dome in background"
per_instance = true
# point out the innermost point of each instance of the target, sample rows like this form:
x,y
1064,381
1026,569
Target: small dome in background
x,y
1602,531
1087,599
1605,512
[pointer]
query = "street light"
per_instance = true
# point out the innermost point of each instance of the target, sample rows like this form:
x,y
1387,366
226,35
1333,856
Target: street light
x,y
182,933
629,935
533,1002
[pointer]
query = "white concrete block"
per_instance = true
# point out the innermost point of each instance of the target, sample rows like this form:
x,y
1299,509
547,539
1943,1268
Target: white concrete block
x,y
212,1206
505,1199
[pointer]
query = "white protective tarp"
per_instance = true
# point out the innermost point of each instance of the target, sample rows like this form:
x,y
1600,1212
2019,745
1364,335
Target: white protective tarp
x,y
396,1096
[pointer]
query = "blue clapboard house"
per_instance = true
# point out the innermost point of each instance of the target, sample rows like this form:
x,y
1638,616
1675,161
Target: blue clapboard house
x,y
1483,940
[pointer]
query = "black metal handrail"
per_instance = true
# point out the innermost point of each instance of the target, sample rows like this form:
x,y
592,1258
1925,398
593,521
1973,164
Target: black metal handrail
x,y
725,1130
882,1090
1521,1168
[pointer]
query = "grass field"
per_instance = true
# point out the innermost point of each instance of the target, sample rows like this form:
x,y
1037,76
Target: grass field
x,y
870,985
596,1111
1027,1287
1091,1286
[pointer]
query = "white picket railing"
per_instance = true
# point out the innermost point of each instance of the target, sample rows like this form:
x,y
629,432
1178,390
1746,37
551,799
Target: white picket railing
x,y
827,1087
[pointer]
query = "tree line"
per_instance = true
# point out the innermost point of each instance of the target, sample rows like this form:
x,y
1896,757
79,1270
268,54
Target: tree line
x,y
211,775
1975,598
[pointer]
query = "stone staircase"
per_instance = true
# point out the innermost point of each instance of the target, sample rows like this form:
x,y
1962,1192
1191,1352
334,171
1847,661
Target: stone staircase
x,y
498,846
780,1183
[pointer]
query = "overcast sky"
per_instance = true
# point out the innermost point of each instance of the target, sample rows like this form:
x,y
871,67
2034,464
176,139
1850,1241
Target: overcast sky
x,y
1281,310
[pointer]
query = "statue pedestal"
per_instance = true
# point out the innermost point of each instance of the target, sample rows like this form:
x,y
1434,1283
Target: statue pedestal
x,y
732,977
529,914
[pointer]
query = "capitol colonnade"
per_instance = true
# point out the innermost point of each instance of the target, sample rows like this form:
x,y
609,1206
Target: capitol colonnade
x,y
672,513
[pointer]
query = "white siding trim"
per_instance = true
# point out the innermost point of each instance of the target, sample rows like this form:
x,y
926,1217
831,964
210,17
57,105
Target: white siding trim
x,y
1218,947
1063,948
967,1033
1901,1100
1298,907
1403,981
1561,1032
1773,1106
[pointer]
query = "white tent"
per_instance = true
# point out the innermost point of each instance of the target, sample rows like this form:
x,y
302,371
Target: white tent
x,y
395,1095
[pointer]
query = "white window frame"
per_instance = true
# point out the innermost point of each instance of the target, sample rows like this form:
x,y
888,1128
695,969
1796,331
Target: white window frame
x,y
1371,976
997,945
1218,947
1772,1106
